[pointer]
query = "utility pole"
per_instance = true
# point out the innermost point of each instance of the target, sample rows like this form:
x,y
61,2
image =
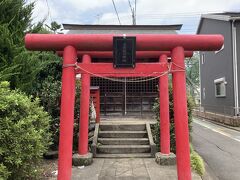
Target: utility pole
x,y
133,17
98,18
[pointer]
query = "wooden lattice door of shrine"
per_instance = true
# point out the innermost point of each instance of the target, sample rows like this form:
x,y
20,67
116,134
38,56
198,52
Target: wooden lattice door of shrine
x,y
121,97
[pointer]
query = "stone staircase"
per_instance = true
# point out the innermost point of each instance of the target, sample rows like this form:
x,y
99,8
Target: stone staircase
x,y
122,140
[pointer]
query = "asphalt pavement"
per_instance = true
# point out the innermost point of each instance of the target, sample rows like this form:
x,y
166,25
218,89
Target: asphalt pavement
x,y
219,147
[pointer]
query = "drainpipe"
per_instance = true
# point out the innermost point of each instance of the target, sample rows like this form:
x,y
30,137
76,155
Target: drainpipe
x,y
235,68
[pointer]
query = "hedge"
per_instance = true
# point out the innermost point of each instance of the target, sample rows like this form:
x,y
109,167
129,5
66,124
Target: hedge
x,y
156,129
197,163
24,134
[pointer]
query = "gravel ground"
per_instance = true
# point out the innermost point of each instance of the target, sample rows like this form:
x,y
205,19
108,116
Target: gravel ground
x,y
49,168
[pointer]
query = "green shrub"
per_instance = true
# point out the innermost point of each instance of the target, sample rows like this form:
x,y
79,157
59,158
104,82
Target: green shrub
x,y
156,129
197,163
24,134
50,96
4,173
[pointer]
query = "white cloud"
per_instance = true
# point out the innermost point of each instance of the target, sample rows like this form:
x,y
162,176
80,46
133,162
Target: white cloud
x,y
111,18
148,11
40,11
186,6
171,11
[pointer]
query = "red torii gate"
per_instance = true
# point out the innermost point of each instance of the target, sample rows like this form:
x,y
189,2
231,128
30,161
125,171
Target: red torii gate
x,y
175,45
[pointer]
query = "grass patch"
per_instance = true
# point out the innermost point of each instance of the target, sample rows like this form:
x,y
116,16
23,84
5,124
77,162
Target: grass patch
x,y
197,162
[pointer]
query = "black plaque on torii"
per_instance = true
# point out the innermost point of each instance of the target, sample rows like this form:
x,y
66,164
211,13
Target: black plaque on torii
x,y
124,51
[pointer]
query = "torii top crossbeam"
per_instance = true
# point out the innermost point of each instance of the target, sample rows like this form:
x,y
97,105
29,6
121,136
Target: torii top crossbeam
x,y
104,42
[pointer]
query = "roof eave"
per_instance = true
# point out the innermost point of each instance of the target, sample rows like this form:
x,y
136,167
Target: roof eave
x,y
101,27
215,17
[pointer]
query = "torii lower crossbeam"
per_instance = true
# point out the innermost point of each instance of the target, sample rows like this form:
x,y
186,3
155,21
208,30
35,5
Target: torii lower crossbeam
x,y
107,70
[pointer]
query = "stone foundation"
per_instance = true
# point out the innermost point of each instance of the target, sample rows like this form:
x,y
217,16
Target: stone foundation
x,y
165,159
224,119
82,160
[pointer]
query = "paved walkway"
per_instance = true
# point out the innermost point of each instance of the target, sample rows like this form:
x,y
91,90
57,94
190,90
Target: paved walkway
x,y
126,169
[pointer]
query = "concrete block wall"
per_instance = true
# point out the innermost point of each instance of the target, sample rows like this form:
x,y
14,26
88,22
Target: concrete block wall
x,y
224,119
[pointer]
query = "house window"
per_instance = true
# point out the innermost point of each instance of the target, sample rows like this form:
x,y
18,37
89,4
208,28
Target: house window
x,y
203,58
220,87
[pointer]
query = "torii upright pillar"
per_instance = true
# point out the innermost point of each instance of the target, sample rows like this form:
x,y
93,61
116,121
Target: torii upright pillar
x,y
164,157
164,111
181,114
84,157
67,114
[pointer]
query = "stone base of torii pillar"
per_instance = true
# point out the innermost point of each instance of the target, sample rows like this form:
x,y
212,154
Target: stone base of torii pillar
x,y
165,159
82,160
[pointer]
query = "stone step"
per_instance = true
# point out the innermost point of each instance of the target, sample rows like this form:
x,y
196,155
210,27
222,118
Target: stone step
x,y
133,155
122,134
123,141
122,149
122,127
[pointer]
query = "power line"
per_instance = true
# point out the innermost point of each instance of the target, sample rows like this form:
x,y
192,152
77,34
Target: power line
x,y
131,6
133,12
116,12
184,15
49,12
156,16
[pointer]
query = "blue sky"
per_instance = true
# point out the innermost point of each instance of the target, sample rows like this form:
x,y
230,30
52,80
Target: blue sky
x,y
186,12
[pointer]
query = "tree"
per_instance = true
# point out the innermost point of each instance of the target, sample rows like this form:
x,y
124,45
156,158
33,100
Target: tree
x,y
192,73
31,72
17,65
15,18
54,26
192,67
156,127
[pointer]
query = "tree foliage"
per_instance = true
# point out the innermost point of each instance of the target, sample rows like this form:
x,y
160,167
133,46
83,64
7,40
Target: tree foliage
x,y
54,26
17,65
35,73
50,95
192,72
156,129
14,20
192,68
196,160
16,17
